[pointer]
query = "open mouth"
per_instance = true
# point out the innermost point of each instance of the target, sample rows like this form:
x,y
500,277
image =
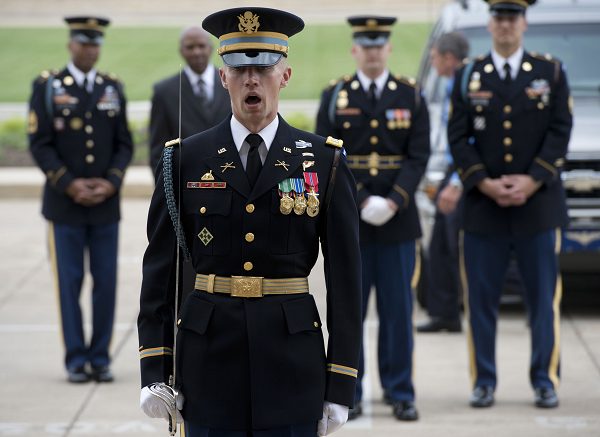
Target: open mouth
x,y
252,100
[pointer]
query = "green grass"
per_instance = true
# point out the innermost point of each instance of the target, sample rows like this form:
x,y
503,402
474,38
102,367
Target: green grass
x,y
141,56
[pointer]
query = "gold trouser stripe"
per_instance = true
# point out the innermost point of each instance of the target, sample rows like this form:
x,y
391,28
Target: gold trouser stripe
x,y
465,286
222,284
555,356
54,268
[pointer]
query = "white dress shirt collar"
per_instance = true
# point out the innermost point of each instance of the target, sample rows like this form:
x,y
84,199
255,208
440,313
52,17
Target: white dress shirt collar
x,y
208,76
380,80
80,76
513,60
239,132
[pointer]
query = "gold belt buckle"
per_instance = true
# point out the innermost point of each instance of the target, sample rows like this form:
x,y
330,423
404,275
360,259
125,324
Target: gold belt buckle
x,y
246,286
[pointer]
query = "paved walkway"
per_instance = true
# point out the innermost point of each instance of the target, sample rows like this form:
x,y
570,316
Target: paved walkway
x,y
36,401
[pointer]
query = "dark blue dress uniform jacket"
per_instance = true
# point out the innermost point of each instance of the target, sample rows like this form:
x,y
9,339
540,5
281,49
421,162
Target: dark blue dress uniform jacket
x,y
73,134
494,130
398,125
251,363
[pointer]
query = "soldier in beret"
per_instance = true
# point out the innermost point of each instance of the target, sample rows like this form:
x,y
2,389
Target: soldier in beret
x,y
255,198
79,138
508,132
384,123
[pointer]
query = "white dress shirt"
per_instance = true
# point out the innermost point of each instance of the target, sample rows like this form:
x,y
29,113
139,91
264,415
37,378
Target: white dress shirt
x,y
513,60
79,76
208,77
365,81
239,132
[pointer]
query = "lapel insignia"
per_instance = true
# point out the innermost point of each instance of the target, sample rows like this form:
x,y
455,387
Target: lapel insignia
x,y
205,236
301,144
355,85
282,164
287,150
221,150
68,81
526,66
226,166
488,68
208,176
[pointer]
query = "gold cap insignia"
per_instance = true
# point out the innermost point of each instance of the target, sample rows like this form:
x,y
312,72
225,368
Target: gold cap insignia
x,y
371,22
248,22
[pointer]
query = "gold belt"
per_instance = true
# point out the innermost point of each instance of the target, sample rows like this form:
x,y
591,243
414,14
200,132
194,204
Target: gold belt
x,y
250,286
375,160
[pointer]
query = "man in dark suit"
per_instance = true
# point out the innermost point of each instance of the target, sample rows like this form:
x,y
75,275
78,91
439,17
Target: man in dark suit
x,y
509,133
384,123
79,138
256,198
204,101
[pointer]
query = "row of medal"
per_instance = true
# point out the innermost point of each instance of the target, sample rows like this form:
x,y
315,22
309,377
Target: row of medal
x,y
300,195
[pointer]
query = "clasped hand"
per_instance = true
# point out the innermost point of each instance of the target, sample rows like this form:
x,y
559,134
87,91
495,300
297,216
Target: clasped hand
x,y
377,210
90,191
509,190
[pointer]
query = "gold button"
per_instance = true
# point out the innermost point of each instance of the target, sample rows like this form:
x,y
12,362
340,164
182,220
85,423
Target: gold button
x,y
508,157
507,141
249,237
110,113
88,114
507,109
373,171
89,159
374,140
248,266
178,322
89,144
374,124
203,210
507,124
89,129
66,112
540,105
479,108
346,125
250,208
316,324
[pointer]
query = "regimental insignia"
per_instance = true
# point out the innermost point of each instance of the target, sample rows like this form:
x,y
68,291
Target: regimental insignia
x,y
334,142
207,184
68,81
32,125
488,68
307,164
355,85
76,123
248,22
99,80
392,85
479,123
526,66
205,236
208,176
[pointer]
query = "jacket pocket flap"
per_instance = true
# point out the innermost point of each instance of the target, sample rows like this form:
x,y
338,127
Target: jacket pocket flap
x,y
301,315
195,315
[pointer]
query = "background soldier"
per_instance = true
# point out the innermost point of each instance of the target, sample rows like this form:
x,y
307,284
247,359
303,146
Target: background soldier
x,y
385,125
443,285
257,196
204,102
79,138
509,133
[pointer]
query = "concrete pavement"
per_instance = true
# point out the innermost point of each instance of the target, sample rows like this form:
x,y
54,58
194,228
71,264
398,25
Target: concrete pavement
x,y
36,401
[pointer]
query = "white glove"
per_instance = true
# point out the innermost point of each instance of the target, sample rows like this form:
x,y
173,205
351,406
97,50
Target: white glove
x,y
334,417
155,407
377,211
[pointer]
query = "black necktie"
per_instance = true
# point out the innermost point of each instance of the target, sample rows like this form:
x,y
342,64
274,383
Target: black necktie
x,y
507,77
253,164
201,93
373,94
85,84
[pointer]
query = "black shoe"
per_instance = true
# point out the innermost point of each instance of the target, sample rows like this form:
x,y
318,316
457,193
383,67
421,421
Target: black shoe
x,y
102,374
437,324
546,398
405,410
77,375
482,397
387,399
355,411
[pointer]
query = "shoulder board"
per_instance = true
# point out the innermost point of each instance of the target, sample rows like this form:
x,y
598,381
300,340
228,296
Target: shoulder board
x,y
546,57
43,76
172,143
110,76
410,81
330,141
480,58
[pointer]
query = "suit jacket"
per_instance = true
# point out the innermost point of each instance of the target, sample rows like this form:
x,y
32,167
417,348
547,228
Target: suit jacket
x,y
398,125
73,134
495,129
248,363
195,117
